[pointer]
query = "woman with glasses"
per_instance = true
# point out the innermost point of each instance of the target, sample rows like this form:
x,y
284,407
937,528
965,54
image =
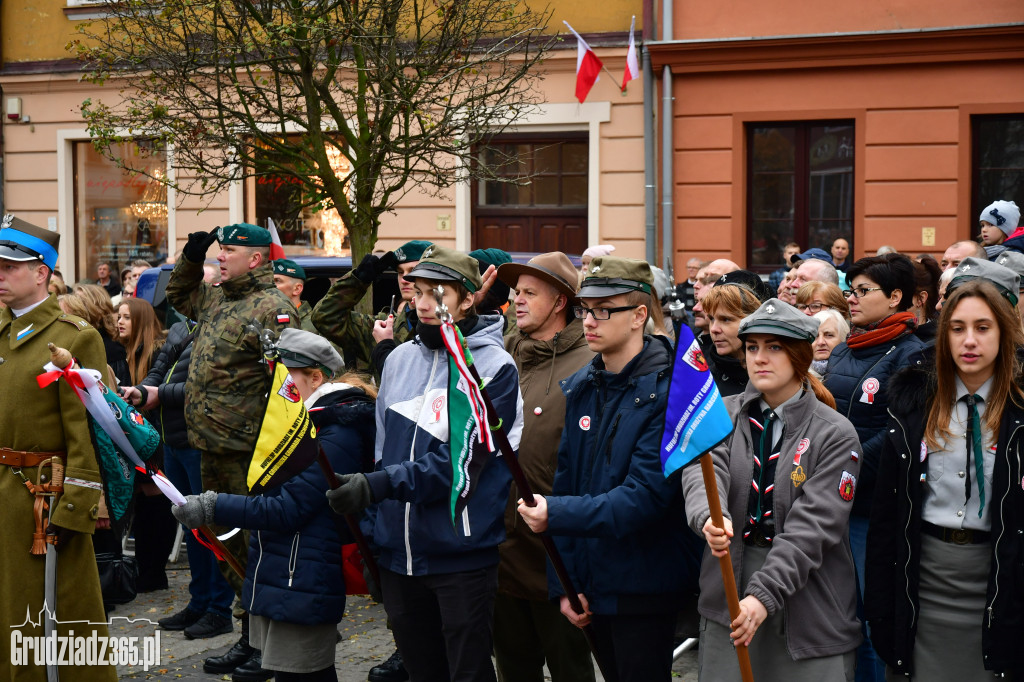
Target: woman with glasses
x,y
786,477
881,342
813,297
734,296
945,560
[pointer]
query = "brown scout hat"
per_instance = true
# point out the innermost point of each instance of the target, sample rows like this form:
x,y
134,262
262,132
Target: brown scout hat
x,y
555,268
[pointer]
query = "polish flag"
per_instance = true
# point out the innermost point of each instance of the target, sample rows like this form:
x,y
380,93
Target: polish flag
x,y
276,250
588,66
632,70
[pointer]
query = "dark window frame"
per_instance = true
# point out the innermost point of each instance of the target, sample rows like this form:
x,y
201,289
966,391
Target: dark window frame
x,y
979,202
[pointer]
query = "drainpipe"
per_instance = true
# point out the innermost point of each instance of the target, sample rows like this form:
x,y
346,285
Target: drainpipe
x,y
650,178
667,185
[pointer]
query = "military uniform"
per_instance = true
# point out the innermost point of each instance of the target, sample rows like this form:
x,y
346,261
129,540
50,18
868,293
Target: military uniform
x,y
306,317
51,419
227,378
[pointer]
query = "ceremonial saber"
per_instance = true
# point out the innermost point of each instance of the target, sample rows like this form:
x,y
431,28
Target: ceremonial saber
x,y
526,492
350,519
707,468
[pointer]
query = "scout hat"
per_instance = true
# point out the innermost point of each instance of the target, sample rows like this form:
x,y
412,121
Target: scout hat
x,y
555,268
812,254
1013,260
748,280
410,251
1006,281
21,241
289,268
779,319
609,276
1003,214
299,348
438,262
243,234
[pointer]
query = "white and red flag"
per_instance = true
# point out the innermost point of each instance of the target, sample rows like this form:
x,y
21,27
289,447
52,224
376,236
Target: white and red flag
x,y
632,69
276,249
588,66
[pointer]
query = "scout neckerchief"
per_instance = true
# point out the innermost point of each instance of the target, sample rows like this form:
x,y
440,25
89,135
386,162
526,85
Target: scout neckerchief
x,y
760,505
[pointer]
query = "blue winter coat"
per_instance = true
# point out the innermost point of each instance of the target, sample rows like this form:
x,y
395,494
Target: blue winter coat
x,y
412,524
619,524
848,372
294,570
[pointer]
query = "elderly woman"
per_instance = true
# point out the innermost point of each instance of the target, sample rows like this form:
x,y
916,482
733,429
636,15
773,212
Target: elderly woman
x,y
881,343
814,297
832,331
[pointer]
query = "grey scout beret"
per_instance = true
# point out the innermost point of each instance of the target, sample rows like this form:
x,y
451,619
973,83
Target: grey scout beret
x,y
1006,280
777,318
299,348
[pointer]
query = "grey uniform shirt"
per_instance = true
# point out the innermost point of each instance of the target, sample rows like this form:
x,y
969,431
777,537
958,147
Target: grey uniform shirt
x,y
945,502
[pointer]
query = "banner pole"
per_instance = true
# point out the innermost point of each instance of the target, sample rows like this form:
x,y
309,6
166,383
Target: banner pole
x,y
350,519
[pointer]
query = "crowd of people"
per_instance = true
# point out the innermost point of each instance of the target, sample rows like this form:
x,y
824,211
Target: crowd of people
x,y
876,400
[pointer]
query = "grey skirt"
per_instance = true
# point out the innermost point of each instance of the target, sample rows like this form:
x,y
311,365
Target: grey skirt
x,y
953,583
769,652
293,648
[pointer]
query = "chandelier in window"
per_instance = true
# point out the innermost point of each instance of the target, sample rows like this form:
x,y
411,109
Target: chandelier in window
x,y
153,202
330,219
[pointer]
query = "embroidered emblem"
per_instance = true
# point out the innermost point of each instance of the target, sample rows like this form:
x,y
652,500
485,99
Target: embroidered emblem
x,y
585,423
595,270
135,417
854,456
847,485
284,319
966,267
870,388
429,252
116,410
220,234
798,476
26,331
694,357
801,448
436,406
289,391
770,309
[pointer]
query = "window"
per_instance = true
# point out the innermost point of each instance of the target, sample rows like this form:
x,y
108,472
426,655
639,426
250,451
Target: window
x,y
539,202
998,164
119,216
799,188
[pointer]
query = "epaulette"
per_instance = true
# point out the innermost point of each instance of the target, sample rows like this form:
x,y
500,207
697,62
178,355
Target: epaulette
x,y
77,322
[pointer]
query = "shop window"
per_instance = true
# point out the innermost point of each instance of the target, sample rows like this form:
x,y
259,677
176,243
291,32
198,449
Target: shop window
x,y
120,216
799,188
304,230
998,164
537,201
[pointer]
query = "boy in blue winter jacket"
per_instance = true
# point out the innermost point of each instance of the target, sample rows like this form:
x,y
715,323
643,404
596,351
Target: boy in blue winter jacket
x,y
618,522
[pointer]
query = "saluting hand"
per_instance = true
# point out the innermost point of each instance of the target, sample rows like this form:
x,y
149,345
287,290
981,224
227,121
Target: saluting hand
x,y
536,517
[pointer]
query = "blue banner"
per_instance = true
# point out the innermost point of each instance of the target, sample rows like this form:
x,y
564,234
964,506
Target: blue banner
x,y
696,419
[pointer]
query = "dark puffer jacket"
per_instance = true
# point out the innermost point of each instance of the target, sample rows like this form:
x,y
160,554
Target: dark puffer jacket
x,y
730,375
891,601
848,378
167,376
294,572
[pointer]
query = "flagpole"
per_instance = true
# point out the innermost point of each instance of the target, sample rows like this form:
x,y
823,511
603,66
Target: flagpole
x,y
526,492
707,468
350,519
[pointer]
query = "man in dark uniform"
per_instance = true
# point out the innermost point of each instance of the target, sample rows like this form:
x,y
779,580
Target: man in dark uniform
x,y
225,394
38,424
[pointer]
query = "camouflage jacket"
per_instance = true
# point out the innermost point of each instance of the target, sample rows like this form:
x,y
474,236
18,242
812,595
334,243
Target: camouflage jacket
x,y
306,317
352,332
225,394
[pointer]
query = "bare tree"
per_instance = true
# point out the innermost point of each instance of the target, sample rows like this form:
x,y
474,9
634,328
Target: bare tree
x,y
403,89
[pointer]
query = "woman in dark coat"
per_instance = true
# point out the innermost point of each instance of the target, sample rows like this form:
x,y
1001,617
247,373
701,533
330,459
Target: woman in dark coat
x,y
945,556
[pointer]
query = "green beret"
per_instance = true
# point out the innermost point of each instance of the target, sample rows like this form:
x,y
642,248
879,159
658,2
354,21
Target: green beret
x,y
495,257
609,276
289,268
243,234
411,251
440,263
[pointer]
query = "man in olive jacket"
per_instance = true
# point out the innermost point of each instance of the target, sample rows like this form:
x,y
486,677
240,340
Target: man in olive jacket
x,y
225,394
35,424
548,345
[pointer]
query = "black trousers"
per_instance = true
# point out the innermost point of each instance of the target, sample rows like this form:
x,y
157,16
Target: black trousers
x,y
635,648
442,623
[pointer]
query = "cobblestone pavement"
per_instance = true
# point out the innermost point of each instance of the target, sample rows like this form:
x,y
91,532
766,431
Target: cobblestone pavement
x,y
366,641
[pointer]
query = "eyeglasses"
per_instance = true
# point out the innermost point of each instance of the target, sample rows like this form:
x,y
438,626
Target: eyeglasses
x,y
814,307
599,313
860,292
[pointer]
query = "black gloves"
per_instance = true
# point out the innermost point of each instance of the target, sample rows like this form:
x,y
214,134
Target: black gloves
x,y
198,244
353,496
371,267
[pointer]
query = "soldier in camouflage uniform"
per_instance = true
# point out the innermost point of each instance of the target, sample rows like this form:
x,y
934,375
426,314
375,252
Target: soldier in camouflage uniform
x,y
335,317
290,280
225,394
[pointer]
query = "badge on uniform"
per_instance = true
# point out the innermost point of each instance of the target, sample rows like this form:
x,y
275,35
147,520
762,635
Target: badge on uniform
x,y
585,423
847,485
284,319
870,388
436,406
801,448
289,391
798,476
25,332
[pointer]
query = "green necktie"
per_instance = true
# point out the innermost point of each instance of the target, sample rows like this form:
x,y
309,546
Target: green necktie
x,y
763,453
974,442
